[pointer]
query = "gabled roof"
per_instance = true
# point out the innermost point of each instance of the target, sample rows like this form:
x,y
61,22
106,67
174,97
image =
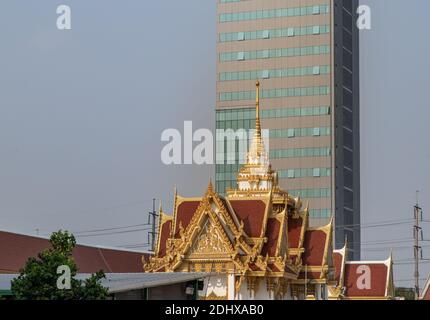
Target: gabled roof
x,y
184,210
16,249
273,236
315,244
367,279
339,257
165,227
295,228
316,258
358,280
252,213
425,295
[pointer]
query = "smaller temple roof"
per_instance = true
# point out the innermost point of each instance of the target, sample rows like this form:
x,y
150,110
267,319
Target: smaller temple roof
x,y
362,279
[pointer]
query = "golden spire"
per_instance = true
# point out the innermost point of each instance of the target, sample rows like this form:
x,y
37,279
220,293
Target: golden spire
x,y
257,146
210,186
257,109
256,174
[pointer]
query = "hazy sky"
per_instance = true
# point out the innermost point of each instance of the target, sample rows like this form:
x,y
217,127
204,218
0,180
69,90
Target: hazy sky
x,y
82,111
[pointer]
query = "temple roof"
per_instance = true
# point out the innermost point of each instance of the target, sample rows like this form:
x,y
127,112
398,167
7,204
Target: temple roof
x,y
362,279
252,213
259,230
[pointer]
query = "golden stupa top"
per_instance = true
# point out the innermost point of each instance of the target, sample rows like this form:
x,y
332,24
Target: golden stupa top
x,y
257,153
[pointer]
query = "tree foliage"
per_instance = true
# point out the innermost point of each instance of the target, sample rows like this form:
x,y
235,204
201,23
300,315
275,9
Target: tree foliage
x,y
407,293
38,280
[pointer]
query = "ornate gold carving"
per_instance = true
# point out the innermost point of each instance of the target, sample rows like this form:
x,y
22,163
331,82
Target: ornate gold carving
x,y
209,241
238,283
212,296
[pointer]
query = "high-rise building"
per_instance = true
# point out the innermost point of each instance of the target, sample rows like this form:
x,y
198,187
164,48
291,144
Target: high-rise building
x,y
305,53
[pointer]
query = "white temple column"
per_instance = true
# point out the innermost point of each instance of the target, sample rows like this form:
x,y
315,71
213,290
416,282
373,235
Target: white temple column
x,y
231,293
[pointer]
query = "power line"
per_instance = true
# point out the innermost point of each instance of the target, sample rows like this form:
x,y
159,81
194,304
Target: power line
x,y
110,229
389,241
112,233
377,224
411,262
408,280
384,241
399,248
152,220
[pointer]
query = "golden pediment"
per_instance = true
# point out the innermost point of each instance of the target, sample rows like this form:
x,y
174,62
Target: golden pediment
x,y
209,242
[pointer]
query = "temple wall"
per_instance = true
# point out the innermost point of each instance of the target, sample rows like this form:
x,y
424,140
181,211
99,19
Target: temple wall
x,y
215,286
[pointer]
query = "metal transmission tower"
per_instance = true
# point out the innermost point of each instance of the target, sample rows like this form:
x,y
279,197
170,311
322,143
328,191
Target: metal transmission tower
x,y
152,220
418,252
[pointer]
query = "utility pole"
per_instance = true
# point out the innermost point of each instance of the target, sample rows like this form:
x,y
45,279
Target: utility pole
x,y
152,220
418,253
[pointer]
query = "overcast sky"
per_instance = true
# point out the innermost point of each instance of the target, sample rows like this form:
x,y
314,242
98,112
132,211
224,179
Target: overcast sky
x,y
82,111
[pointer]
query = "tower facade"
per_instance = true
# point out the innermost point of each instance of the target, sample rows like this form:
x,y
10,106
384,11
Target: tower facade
x,y
305,54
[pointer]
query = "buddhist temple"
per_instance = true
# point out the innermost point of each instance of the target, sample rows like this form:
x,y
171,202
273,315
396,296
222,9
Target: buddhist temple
x,y
256,243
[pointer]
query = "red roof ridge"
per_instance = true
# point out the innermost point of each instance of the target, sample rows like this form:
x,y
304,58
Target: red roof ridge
x,y
384,262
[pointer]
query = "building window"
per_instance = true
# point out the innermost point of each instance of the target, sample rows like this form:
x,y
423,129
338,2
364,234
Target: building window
x,y
316,70
316,30
265,74
316,10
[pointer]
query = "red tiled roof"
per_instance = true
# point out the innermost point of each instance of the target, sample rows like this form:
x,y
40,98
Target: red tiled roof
x,y
251,212
355,279
185,213
254,267
164,236
16,249
273,267
272,235
294,232
426,292
314,244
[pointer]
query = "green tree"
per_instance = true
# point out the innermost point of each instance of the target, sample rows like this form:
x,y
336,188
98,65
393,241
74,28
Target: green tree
x,y
407,293
38,280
